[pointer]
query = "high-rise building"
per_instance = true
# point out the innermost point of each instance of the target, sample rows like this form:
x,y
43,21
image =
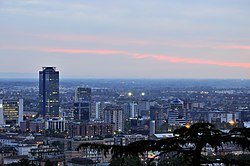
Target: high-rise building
x,y
11,112
156,114
82,111
114,114
49,92
83,94
82,105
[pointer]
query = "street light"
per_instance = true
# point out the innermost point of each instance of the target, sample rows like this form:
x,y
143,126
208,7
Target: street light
x,y
231,122
187,126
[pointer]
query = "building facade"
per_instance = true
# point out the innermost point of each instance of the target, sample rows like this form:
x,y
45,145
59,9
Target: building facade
x,y
49,92
82,111
90,129
114,114
56,124
11,112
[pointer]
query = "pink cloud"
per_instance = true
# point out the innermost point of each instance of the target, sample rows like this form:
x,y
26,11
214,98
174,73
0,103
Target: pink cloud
x,y
171,59
201,61
158,57
241,47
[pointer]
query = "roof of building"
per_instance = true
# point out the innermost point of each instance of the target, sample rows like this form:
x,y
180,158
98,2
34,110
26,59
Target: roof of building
x,y
176,101
247,124
163,135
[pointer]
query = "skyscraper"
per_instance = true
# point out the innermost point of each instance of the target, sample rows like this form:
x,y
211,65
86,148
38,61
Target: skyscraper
x,y
49,92
82,105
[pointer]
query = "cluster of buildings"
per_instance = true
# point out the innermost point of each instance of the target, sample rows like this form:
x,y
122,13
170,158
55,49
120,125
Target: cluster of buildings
x,y
56,132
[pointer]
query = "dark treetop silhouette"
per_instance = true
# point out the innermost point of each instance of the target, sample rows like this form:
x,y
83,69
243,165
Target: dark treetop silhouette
x,y
187,141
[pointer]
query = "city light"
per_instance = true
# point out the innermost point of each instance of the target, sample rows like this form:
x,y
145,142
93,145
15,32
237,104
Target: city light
x,y
130,94
188,126
231,122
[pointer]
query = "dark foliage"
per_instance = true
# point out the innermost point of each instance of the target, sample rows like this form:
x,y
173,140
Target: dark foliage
x,y
187,143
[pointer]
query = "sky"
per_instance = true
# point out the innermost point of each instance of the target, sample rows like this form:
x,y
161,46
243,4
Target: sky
x,y
126,39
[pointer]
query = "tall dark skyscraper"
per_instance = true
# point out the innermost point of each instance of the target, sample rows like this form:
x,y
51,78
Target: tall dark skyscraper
x,y
49,92
82,105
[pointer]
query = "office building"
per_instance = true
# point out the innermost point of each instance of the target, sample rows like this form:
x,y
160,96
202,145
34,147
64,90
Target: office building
x,y
82,105
177,115
11,112
49,92
82,111
156,114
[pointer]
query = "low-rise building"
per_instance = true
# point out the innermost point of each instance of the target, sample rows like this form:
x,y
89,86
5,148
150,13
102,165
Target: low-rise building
x,y
14,159
124,140
6,151
56,124
90,129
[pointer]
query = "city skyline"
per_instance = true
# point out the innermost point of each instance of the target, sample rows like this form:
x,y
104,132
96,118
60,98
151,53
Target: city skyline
x,y
115,39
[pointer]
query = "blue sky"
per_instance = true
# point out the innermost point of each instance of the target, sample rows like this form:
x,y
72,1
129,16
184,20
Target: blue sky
x,y
126,39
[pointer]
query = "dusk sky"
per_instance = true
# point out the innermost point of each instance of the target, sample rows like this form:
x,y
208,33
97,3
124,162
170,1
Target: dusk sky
x,y
126,39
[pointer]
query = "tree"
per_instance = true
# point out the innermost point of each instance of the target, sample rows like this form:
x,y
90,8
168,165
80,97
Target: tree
x,y
187,142
199,135
194,138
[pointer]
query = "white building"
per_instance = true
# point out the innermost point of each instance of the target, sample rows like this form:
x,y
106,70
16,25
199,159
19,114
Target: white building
x,y
134,110
57,124
24,149
13,159
222,116
152,127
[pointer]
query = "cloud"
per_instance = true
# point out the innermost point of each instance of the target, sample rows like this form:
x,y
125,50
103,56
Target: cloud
x,y
130,41
158,57
241,47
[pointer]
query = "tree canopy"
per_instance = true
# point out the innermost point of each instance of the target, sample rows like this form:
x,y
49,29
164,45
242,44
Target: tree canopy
x,y
187,142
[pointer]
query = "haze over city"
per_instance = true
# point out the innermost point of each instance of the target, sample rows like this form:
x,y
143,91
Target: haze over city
x,y
125,39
